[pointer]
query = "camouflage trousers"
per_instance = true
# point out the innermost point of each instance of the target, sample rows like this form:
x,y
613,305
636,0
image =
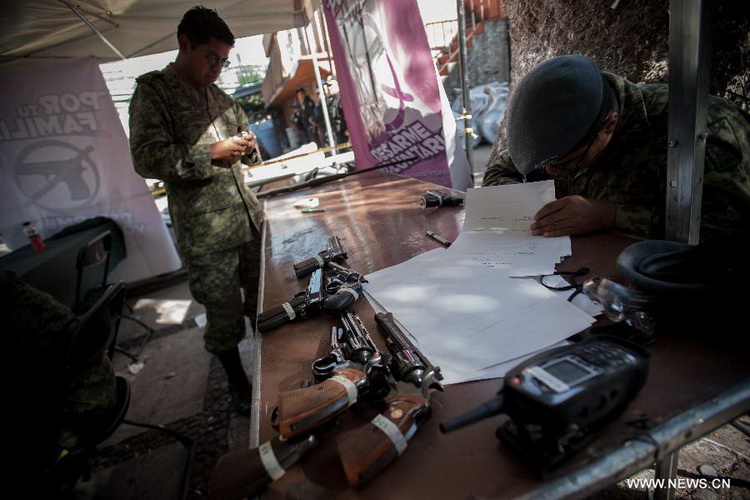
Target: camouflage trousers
x,y
217,281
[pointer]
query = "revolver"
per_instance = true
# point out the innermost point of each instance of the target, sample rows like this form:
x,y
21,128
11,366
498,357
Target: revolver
x,y
365,451
302,305
333,253
302,410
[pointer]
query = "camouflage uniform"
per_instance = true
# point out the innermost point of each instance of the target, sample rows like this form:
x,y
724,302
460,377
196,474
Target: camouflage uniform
x,y
632,173
216,218
54,403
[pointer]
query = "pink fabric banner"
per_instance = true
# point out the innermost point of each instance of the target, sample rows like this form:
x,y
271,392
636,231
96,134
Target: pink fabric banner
x,y
392,98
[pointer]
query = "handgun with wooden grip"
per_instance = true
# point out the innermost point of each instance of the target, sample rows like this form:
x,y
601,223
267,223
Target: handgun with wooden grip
x,y
367,450
354,366
302,410
245,473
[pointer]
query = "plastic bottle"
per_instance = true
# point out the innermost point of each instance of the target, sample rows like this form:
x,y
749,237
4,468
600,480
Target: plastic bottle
x,y
37,243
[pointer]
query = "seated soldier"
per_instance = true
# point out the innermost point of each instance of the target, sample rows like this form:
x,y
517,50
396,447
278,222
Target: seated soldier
x,y
53,404
604,142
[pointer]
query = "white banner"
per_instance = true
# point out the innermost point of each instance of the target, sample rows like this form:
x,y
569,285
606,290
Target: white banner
x,y
64,158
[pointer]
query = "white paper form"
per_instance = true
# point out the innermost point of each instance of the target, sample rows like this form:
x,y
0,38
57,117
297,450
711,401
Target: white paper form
x,y
496,229
495,371
467,317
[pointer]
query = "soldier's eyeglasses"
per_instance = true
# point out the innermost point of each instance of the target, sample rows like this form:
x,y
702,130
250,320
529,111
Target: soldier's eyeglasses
x,y
213,59
548,282
565,165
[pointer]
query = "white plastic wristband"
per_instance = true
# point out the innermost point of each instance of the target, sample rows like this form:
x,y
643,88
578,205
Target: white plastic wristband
x,y
351,291
268,458
392,431
351,389
289,310
321,261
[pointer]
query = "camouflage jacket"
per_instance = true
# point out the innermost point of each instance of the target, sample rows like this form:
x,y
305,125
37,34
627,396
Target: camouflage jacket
x,y
632,172
172,126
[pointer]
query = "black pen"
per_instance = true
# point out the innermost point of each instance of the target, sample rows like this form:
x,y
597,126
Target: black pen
x,y
437,238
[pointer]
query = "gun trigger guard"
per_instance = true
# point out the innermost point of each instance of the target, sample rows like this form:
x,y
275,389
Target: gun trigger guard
x,y
275,418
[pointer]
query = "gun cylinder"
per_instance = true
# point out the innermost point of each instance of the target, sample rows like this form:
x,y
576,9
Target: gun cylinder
x,y
489,409
359,345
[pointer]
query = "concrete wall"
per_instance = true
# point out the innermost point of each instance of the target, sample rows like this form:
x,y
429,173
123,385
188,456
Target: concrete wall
x,y
488,61
628,38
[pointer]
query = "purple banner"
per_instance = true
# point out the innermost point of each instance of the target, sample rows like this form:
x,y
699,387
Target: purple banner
x,y
392,99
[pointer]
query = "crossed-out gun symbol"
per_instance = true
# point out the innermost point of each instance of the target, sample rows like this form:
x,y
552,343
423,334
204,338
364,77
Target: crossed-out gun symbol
x,y
69,171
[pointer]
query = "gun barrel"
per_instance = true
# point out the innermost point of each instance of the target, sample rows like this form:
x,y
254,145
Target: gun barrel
x,y
489,409
413,365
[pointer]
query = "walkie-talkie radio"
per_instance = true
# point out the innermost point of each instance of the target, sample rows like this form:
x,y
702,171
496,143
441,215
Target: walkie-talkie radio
x,y
559,400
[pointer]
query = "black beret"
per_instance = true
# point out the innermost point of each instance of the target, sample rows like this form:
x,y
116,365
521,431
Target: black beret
x,y
552,109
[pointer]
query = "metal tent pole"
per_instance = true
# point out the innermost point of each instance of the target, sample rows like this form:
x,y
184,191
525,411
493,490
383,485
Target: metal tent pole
x,y
689,37
466,111
93,28
323,102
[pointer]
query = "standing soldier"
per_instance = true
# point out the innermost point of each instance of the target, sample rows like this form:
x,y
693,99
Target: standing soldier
x,y
187,132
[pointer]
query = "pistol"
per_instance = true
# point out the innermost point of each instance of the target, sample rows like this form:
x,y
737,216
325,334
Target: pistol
x,y
301,410
435,198
343,288
365,451
303,304
332,253
242,474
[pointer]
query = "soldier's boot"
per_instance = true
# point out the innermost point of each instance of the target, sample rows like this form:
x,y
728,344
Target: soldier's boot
x,y
239,387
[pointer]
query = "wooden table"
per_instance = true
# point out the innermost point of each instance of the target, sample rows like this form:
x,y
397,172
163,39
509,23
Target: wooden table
x,y
380,223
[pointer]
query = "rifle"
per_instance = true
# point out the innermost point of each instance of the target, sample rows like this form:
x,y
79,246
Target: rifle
x,y
241,474
302,305
365,451
332,253
322,180
350,370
